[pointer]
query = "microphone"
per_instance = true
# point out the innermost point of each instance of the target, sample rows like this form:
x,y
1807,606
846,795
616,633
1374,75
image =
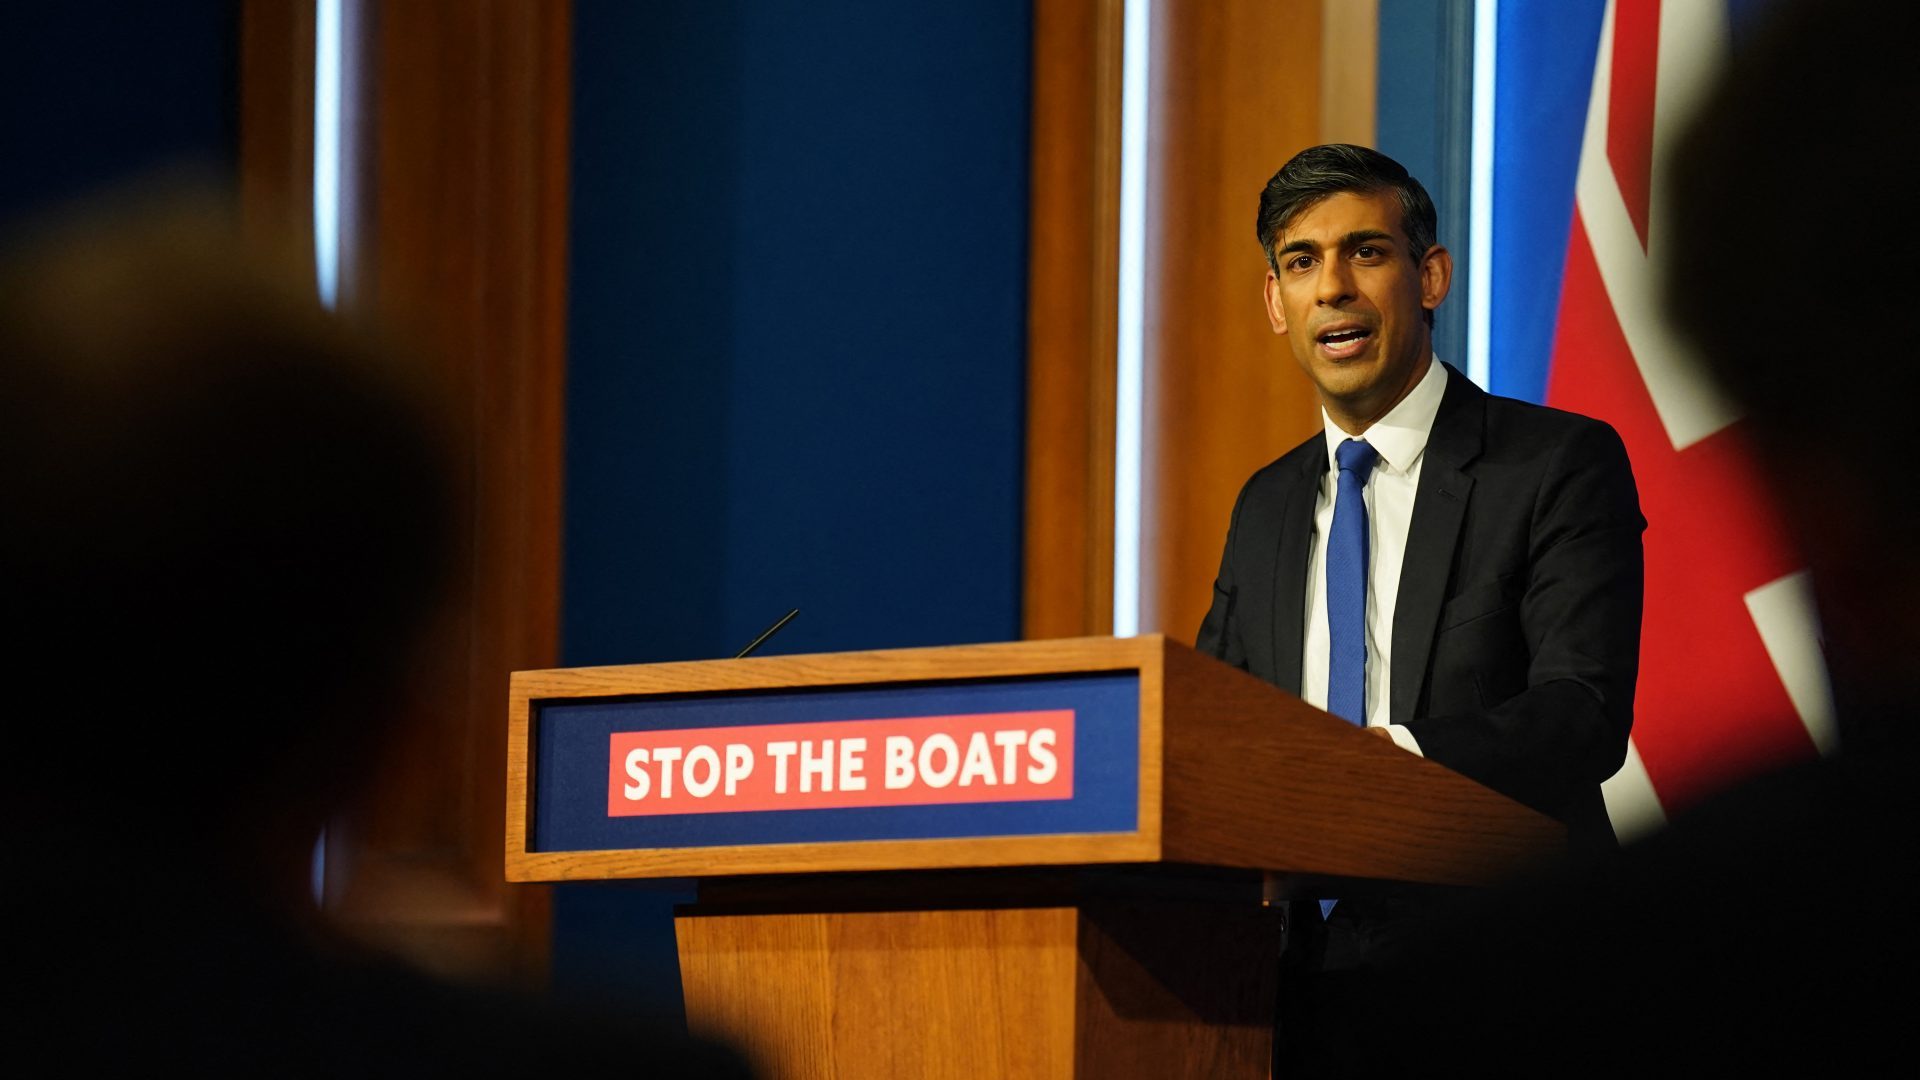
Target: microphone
x,y
767,633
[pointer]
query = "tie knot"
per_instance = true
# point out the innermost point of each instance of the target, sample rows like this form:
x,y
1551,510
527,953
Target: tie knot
x,y
1357,457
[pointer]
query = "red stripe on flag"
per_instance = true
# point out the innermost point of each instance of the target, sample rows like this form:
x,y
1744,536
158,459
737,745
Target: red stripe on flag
x,y
1636,52
1710,708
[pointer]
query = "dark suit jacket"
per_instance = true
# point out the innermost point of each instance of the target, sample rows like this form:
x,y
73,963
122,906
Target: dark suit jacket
x,y
1516,634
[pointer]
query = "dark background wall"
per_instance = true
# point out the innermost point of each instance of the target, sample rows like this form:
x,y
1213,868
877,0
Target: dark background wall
x,y
797,334
796,355
97,92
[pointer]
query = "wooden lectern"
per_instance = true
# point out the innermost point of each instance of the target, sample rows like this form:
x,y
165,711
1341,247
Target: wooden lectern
x,y
1038,859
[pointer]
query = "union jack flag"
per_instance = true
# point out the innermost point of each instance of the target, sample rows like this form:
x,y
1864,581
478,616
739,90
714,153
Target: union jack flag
x,y
1732,680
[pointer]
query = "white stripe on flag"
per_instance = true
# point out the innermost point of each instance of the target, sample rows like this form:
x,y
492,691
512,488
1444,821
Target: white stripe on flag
x,y
1631,804
1695,43
1784,613
1691,407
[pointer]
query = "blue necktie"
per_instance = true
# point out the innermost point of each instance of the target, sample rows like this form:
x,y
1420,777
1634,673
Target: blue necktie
x,y
1347,550
1347,585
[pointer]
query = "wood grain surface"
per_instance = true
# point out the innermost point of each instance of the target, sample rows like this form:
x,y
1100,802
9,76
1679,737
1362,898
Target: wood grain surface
x,y
942,962
1349,71
1073,256
1234,773
276,123
456,173
1237,88
1103,989
929,994
1258,778
1169,989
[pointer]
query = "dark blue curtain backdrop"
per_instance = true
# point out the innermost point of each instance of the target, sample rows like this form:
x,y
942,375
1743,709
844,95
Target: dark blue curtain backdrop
x,y
796,356
97,92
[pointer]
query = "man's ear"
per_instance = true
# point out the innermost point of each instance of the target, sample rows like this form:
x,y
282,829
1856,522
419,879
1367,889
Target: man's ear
x,y
1276,315
1436,276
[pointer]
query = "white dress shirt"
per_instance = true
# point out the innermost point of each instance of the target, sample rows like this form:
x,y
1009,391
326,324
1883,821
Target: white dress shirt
x,y
1400,438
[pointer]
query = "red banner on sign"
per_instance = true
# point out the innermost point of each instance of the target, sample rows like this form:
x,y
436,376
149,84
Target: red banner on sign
x,y
919,761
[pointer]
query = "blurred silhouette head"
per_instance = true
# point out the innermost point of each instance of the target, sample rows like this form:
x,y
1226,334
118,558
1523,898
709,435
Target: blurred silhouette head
x,y
1790,183
227,519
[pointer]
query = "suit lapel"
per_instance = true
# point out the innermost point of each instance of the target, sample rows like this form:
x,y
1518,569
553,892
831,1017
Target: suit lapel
x,y
1290,571
1439,509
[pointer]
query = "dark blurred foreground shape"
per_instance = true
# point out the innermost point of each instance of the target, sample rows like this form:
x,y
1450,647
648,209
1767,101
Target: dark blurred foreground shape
x,y
227,524
1772,928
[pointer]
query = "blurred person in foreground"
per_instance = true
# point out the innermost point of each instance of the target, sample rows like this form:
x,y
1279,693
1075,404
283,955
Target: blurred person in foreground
x,y
1772,927
228,521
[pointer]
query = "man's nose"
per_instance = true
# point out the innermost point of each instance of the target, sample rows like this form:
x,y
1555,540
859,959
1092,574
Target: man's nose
x,y
1335,284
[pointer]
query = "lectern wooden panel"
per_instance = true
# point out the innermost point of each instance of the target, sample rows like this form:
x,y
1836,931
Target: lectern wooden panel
x,y
1035,859
1146,989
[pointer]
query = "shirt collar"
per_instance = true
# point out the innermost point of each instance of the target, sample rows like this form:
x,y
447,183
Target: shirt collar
x,y
1400,437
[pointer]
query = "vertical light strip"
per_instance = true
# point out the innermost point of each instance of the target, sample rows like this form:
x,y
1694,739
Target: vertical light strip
x,y
1486,33
1129,368
328,21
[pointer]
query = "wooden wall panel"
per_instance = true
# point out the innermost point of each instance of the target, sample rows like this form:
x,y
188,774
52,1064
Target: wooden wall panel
x,y
1237,87
1074,252
1349,80
455,230
465,233
276,122
1236,92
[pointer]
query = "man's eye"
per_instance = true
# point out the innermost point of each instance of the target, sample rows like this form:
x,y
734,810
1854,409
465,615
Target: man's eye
x,y
1367,251
1299,262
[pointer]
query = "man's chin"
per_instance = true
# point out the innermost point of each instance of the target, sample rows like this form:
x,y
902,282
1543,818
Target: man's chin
x,y
1345,381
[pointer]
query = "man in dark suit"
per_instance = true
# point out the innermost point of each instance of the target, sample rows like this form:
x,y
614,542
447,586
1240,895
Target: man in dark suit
x,y
1458,572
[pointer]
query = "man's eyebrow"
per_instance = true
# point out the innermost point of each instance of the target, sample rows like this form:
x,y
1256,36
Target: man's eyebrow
x,y
1347,243
1364,236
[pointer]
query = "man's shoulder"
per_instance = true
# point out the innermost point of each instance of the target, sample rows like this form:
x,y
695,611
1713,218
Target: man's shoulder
x,y
1516,411
1521,427
1534,452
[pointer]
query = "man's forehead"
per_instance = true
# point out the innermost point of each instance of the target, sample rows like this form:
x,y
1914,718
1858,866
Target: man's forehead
x,y
1325,221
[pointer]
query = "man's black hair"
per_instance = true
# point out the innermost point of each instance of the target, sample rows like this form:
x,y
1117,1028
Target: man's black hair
x,y
1341,168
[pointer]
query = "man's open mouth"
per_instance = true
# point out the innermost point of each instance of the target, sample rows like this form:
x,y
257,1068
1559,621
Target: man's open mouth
x,y
1343,336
